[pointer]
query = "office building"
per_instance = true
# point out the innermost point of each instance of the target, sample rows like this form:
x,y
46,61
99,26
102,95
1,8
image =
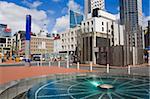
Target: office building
x,y
5,46
69,40
100,4
98,35
5,31
41,45
147,36
90,5
5,40
131,17
38,45
57,43
75,18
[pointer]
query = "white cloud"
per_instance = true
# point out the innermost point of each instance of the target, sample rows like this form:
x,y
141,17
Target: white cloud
x,y
62,23
145,20
51,11
118,8
33,5
74,6
64,10
15,17
56,0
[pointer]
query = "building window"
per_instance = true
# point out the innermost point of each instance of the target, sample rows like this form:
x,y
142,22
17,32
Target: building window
x,y
72,46
92,22
112,27
63,40
88,23
102,28
102,23
71,33
72,39
92,29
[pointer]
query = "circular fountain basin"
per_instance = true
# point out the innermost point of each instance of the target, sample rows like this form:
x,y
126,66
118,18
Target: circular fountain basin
x,y
93,87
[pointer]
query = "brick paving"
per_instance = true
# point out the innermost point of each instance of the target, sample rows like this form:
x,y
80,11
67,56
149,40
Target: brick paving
x,y
8,74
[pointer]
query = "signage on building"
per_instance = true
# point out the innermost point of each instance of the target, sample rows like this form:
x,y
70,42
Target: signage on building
x,y
7,30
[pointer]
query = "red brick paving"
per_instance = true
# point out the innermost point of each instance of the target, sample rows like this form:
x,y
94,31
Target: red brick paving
x,y
8,74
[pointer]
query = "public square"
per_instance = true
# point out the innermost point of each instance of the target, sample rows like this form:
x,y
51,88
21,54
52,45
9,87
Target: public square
x,y
74,49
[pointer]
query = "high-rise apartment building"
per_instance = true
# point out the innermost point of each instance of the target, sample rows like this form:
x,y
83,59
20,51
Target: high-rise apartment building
x,y
131,17
90,5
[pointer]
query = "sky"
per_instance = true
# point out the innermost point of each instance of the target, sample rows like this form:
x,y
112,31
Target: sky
x,y
51,15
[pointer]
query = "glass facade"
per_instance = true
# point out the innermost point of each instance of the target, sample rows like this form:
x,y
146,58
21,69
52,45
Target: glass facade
x,y
75,19
131,16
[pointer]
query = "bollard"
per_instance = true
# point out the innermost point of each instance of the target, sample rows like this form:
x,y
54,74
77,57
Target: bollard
x,y
58,63
49,63
67,64
41,63
78,66
91,66
107,68
148,57
38,63
129,69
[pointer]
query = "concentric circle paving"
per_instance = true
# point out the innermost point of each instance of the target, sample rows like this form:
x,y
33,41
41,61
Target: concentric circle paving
x,y
94,87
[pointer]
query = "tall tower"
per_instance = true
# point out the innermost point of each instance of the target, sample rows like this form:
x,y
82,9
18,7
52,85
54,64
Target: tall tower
x,y
97,4
89,5
131,17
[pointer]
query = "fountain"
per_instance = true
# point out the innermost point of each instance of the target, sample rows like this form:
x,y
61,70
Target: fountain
x,y
93,87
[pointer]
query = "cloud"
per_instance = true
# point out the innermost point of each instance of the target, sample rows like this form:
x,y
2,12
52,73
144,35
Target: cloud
x,y
51,11
64,10
56,0
145,21
74,6
62,23
15,17
33,5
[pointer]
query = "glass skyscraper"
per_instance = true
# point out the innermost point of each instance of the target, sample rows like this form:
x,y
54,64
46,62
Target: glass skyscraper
x,y
131,17
75,18
90,5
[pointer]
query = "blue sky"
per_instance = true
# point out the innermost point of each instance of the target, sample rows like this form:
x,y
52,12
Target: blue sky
x,y
56,9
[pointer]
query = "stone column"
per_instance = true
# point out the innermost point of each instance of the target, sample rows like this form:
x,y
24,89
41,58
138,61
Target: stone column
x,y
81,50
85,47
89,49
94,45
